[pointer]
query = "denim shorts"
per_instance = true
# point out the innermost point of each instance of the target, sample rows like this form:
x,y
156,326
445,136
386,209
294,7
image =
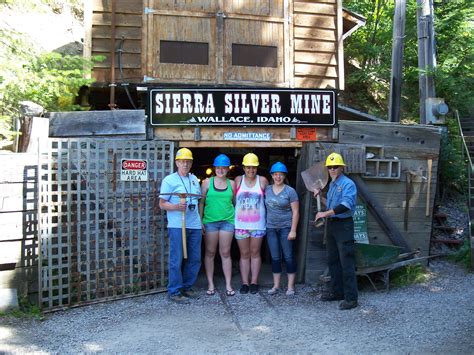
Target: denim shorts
x,y
219,226
247,233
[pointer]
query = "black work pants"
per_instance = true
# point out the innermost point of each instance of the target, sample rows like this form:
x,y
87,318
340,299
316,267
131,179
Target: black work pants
x,y
341,258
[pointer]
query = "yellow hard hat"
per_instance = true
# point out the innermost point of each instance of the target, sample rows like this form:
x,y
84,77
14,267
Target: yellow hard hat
x,y
184,153
250,159
335,159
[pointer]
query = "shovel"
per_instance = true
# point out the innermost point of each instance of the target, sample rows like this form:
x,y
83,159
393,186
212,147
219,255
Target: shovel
x,y
316,178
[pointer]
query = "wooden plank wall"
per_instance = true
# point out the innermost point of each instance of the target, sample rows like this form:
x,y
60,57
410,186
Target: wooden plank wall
x,y
412,146
306,36
19,222
315,44
129,27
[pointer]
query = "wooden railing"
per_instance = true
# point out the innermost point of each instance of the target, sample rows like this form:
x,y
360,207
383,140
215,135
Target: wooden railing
x,y
470,178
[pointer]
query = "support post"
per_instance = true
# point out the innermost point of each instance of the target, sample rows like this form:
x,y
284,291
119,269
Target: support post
x,y
426,55
397,60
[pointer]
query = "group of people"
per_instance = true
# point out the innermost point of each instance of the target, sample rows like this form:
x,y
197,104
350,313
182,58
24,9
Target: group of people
x,y
248,208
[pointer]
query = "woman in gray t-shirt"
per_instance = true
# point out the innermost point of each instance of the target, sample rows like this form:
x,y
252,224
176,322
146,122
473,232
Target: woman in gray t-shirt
x,y
282,206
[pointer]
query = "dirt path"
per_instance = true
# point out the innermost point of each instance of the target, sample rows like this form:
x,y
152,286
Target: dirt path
x,y
434,317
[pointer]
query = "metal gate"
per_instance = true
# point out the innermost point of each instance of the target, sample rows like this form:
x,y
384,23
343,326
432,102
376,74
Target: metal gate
x,y
100,238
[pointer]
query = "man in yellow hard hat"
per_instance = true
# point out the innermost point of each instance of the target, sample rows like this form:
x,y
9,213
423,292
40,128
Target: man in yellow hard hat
x,y
181,280
340,207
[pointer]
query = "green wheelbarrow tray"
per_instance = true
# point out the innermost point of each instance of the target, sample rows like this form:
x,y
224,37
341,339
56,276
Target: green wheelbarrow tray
x,y
382,259
373,255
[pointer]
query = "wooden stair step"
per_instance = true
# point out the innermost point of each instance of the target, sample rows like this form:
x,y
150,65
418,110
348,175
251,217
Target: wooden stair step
x,y
439,214
447,241
440,217
445,228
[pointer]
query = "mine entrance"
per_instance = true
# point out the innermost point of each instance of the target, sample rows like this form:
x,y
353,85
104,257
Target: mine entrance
x,y
202,168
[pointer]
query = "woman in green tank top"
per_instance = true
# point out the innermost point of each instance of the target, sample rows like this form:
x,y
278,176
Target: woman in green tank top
x,y
217,213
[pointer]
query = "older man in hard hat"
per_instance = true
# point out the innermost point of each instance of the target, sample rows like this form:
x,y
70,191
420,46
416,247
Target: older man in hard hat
x,y
340,207
173,188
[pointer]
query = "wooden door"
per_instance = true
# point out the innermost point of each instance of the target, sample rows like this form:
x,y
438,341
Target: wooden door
x,y
181,42
254,41
217,42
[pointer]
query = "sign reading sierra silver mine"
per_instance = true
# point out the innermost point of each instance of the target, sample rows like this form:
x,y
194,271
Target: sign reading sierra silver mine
x,y
238,107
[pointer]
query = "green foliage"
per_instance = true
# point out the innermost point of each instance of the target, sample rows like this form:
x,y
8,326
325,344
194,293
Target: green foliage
x,y
56,6
369,49
408,275
463,255
455,38
50,80
452,165
25,310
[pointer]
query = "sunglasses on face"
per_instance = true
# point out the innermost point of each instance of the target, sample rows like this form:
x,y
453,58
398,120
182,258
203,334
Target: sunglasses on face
x,y
333,167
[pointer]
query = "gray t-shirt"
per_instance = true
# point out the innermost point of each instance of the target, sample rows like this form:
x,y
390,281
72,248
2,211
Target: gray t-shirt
x,y
279,206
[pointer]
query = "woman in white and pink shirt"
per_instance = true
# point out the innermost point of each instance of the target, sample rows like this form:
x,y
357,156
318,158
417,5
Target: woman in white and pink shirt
x,y
250,225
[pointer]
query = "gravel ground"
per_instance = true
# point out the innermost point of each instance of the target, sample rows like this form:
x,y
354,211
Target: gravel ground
x,y
433,317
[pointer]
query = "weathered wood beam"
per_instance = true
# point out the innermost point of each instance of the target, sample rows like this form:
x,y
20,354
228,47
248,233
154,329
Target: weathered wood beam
x,y
379,214
97,123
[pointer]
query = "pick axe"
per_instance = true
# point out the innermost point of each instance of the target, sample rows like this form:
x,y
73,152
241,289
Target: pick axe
x,y
182,197
316,177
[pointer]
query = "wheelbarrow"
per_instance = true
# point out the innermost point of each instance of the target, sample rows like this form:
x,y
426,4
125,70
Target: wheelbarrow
x,y
380,258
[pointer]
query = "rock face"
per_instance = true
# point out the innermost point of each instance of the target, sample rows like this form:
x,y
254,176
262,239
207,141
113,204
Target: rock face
x,y
48,31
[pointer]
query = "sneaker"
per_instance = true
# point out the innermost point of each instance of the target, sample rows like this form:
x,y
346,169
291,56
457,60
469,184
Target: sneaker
x,y
273,291
348,305
244,289
179,298
190,293
290,292
253,289
328,297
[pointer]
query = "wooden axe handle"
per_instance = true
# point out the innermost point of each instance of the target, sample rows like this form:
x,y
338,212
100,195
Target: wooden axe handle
x,y
428,187
183,230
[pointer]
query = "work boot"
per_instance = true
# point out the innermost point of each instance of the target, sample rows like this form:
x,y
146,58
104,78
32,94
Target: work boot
x,y
179,298
329,296
348,305
190,294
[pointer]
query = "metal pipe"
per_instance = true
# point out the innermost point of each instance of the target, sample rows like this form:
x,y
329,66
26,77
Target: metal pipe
x,y
112,84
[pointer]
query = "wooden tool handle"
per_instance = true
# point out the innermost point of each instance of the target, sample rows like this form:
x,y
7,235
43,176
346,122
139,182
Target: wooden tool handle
x,y
183,231
428,187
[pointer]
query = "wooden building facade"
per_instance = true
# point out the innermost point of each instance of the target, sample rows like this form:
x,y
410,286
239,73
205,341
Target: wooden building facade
x,y
287,43
264,45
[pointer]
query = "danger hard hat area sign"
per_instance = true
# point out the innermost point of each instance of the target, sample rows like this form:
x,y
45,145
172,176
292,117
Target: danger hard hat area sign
x,y
134,170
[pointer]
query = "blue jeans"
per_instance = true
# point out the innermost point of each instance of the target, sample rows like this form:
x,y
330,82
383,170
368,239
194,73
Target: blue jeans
x,y
279,244
180,277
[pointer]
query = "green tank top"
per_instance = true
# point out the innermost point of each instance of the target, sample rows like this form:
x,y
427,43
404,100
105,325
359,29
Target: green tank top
x,y
219,206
